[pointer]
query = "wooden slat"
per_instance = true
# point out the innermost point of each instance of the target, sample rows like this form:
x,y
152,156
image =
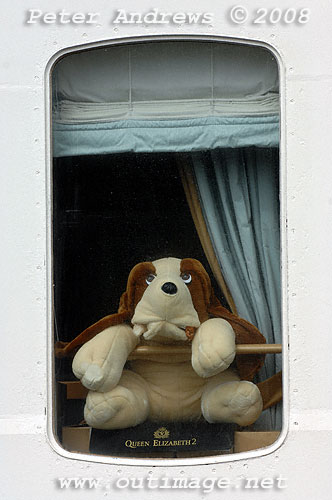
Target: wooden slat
x,y
75,390
76,439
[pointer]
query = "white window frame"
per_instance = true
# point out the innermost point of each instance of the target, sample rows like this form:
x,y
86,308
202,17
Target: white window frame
x,y
148,462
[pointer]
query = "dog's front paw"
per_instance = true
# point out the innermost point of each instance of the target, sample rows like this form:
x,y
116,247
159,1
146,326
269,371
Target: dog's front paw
x,y
213,347
95,377
91,375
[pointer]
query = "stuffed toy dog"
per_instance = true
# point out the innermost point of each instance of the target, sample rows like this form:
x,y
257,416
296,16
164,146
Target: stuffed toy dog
x,y
168,301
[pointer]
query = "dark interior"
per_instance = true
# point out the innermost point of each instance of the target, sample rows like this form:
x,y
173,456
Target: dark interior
x,y
111,212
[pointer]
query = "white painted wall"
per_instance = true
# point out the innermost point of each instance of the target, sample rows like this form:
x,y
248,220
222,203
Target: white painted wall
x,y
30,465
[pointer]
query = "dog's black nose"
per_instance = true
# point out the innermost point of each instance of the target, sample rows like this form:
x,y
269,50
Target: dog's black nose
x,y
169,288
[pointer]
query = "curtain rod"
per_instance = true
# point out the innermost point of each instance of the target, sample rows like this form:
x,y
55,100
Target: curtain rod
x,y
147,350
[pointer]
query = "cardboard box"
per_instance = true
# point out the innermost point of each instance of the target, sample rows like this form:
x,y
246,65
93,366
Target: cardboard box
x,y
246,441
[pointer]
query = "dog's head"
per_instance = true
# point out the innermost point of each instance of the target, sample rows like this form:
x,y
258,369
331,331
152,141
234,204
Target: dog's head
x,y
167,300
167,297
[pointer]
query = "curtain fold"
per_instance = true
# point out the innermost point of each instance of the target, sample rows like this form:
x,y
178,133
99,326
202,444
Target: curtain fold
x,y
144,136
239,194
188,182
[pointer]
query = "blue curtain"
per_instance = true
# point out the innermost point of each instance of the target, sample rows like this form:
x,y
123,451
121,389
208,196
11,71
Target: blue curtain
x,y
146,136
239,192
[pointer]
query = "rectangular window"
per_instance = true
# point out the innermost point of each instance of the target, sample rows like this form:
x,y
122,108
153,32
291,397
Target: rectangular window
x,y
166,249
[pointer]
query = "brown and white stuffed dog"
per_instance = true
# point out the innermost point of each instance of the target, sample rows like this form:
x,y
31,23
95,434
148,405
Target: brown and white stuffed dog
x,y
168,301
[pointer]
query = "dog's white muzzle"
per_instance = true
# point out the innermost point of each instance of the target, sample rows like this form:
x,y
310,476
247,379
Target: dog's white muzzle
x,y
166,307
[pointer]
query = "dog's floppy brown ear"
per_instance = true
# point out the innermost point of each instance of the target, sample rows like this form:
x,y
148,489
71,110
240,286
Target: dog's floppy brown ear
x,y
245,333
136,286
207,305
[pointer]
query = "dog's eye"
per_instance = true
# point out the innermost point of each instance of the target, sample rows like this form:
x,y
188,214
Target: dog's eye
x,y
150,278
186,277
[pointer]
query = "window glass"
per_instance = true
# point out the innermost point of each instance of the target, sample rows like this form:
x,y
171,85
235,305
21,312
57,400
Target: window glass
x,y
166,249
